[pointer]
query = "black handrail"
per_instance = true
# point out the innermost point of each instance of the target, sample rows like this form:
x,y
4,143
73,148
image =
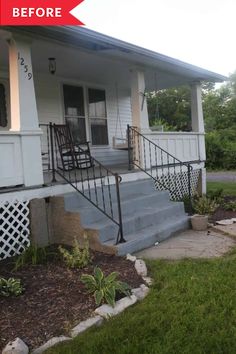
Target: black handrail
x,y
154,160
93,183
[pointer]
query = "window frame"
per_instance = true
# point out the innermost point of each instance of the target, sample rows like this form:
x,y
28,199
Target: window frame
x,y
77,85
92,87
5,83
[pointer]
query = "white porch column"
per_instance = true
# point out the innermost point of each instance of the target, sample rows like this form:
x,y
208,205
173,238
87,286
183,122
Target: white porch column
x,y
138,101
139,113
24,116
198,126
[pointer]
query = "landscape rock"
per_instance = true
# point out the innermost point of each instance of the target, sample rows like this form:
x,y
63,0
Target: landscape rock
x,y
16,347
131,258
51,342
140,267
148,280
82,326
107,311
225,222
141,292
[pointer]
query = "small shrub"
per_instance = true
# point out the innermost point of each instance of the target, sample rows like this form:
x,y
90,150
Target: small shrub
x,y
32,255
79,257
10,287
105,288
231,205
204,206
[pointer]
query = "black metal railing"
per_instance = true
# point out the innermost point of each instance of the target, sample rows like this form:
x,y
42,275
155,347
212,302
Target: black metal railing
x,y
98,184
158,163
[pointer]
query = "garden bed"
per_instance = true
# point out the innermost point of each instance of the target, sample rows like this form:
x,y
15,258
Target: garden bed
x,y
54,299
222,214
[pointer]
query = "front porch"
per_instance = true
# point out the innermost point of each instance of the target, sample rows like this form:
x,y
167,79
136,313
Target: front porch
x,y
110,95
96,85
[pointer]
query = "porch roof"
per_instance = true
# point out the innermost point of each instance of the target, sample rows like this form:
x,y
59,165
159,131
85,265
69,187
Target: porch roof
x,y
170,71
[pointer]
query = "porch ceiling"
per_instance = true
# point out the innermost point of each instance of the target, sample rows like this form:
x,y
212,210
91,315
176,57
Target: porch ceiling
x,y
86,55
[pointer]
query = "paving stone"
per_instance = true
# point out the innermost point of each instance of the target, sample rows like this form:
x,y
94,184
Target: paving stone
x,y
107,311
193,244
53,341
16,347
83,326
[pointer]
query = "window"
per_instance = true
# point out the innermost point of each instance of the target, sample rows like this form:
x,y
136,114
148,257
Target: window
x,y
97,116
3,106
74,112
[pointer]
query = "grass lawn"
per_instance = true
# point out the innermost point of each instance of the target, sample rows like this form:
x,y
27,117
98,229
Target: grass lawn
x,y
190,309
229,188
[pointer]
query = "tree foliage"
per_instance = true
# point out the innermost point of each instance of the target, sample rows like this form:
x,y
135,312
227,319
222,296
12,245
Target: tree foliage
x,y
172,108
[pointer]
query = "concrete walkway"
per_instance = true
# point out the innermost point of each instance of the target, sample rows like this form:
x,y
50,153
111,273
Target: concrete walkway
x,y
190,244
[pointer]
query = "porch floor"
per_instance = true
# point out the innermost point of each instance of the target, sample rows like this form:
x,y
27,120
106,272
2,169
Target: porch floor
x,y
84,174
89,173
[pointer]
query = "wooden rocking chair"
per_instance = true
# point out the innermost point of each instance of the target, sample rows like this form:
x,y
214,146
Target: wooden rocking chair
x,y
72,155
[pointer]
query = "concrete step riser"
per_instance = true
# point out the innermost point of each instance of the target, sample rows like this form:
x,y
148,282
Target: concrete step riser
x,y
78,201
150,240
91,215
141,222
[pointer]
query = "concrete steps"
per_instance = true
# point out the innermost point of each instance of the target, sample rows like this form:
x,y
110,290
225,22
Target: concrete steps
x,y
148,215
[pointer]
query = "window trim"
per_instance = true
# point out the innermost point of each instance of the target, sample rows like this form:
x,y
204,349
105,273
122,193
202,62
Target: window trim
x,y
85,86
92,87
5,83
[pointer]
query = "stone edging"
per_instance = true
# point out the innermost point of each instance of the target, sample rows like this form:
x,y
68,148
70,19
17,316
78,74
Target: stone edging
x,y
102,313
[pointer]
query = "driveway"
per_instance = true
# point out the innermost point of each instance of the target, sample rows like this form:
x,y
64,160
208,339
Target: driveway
x,y
221,176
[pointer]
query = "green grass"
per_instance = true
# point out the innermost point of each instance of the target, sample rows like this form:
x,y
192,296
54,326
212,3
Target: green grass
x,y
229,188
191,309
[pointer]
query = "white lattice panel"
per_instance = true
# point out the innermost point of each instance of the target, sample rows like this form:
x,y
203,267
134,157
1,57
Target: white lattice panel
x,y
14,228
177,184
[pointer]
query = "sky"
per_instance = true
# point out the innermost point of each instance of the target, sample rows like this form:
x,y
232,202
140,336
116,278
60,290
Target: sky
x,y
200,32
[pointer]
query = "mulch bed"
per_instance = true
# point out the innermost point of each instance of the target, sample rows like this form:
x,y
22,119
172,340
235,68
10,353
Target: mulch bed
x,y
55,299
221,213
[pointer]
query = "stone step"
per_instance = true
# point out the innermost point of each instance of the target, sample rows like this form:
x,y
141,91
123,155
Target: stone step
x,y
127,190
149,236
133,222
129,206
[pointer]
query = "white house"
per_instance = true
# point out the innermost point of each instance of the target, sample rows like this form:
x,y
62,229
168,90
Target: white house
x,y
97,85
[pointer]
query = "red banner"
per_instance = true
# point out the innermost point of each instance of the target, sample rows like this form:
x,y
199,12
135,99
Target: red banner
x,y
38,12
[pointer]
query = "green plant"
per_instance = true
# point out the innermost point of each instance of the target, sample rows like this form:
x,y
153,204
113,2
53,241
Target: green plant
x,y
105,288
187,203
78,257
204,205
10,287
231,205
32,255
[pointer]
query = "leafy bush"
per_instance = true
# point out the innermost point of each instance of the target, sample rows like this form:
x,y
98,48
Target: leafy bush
x,y
32,255
10,287
231,205
105,288
221,149
79,257
204,206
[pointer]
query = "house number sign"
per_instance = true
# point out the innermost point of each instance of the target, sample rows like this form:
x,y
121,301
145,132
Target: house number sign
x,y
24,66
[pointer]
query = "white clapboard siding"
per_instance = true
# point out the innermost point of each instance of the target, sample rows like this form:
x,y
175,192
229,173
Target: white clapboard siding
x,y
50,109
48,98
